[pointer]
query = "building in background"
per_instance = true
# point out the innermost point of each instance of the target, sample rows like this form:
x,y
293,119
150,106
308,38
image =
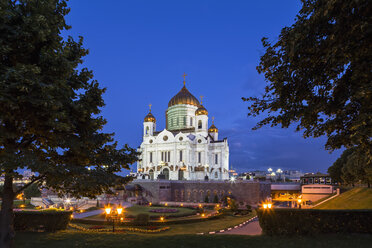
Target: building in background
x,y
186,149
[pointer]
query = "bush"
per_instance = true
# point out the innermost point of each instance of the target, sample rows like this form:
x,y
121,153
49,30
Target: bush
x,y
141,219
47,220
314,221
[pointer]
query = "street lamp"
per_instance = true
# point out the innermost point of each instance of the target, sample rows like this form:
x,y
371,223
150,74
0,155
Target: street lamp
x,y
114,216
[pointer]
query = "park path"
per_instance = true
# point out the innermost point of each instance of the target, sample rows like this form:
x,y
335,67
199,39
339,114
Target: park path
x,y
252,228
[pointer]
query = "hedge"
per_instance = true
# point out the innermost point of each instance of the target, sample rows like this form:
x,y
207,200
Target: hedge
x,y
314,221
46,220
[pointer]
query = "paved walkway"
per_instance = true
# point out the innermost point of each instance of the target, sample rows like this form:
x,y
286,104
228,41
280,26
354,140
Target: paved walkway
x,y
252,228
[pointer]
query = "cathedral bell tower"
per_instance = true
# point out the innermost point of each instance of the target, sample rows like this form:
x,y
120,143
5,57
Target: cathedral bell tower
x,y
201,119
149,124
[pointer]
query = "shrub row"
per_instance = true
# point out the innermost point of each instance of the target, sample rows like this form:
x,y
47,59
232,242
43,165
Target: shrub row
x,y
314,221
46,220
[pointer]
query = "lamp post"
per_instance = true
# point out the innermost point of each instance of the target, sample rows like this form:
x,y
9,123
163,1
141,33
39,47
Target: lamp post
x,y
114,216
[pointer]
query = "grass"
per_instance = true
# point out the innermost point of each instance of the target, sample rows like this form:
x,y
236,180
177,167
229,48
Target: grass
x,y
137,209
322,199
357,198
81,239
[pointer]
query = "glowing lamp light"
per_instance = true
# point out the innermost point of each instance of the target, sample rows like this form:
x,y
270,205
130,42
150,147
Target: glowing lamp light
x,y
203,215
265,206
299,200
269,205
121,219
232,179
166,204
181,204
108,210
68,200
218,205
162,218
150,203
72,216
120,210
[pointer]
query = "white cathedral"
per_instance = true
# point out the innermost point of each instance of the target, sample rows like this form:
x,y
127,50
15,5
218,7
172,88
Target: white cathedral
x,y
186,149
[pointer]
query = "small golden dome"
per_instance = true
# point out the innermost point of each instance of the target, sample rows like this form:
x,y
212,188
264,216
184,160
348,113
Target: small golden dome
x,y
213,129
150,118
184,97
201,111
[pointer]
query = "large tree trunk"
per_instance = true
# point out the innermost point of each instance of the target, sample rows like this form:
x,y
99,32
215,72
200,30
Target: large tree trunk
x,y
7,218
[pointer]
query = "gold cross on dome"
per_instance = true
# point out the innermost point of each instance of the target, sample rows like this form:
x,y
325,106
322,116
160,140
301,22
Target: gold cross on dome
x,y
201,99
212,119
184,78
150,106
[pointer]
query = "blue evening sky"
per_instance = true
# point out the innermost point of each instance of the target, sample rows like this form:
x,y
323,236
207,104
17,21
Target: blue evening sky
x,y
140,49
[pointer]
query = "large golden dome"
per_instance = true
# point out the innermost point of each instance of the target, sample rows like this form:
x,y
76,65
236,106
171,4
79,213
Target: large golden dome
x,y
184,97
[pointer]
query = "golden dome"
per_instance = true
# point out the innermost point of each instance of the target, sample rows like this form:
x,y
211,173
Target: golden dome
x,y
213,129
184,97
201,111
150,118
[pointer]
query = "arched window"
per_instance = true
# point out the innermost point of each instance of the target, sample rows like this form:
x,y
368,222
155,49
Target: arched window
x,y
200,126
191,121
151,174
147,130
184,120
166,173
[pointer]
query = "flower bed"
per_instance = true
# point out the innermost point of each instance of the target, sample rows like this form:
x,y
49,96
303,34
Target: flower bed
x,y
164,210
121,229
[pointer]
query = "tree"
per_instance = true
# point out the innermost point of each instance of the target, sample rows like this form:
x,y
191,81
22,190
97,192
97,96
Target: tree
x,y
50,108
335,171
32,191
352,167
319,75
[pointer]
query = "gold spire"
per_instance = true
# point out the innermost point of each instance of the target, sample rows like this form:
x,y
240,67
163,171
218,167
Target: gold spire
x,y
184,78
212,119
150,106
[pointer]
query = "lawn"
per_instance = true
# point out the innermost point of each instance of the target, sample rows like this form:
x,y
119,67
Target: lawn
x,y
81,239
357,198
137,209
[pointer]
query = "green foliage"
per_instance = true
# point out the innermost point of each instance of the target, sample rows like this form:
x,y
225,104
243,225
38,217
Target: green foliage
x,y
319,75
141,220
32,191
50,221
352,167
314,221
50,104
232,204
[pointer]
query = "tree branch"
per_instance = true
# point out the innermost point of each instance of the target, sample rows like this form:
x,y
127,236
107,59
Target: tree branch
x,y
28,184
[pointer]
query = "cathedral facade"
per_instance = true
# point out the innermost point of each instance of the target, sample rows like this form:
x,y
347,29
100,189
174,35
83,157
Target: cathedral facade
x,y
187,149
